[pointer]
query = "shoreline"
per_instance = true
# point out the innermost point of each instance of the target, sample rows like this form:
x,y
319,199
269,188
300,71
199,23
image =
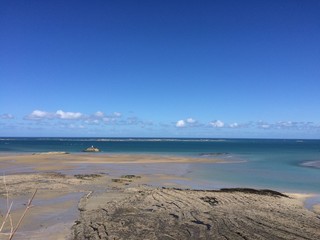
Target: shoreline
x,y
87,182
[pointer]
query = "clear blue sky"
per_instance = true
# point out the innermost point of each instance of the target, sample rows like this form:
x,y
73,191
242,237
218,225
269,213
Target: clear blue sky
x,y
169,68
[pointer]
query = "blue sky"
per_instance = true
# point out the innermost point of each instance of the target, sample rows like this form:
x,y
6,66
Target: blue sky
x,y
220,68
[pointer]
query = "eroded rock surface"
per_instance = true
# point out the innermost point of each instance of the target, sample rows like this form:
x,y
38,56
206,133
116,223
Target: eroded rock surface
x,y
147,213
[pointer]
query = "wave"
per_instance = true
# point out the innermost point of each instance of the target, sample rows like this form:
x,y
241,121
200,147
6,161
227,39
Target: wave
x,y
118,139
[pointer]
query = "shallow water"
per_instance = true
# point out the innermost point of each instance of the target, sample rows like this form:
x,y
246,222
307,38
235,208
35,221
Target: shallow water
x,y
312,201
284,165
52,214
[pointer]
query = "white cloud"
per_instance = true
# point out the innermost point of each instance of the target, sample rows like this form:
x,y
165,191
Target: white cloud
x,y
117,114
6,116
217,124
285,125
106,119
99,114
68,115
132,121
264,125
42,115
295,125
112,118
39,115
288,124
190,120
75,126
62,115
70,126
181,123
92,121
234,125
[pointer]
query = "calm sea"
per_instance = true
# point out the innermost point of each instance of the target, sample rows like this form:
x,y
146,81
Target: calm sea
x,y
284,165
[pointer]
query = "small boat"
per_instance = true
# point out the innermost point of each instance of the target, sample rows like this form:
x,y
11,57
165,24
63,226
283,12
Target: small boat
x,y
91,149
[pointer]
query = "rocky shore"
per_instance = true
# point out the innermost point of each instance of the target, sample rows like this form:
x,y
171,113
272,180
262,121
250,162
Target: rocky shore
x,y
161,213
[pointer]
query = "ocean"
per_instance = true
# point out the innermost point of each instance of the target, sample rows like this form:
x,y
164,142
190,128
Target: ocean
x,y
284,165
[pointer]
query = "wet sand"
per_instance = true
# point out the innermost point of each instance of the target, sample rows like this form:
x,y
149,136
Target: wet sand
x,y
87,196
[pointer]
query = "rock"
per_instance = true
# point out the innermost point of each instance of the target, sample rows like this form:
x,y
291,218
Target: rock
x,y
187,214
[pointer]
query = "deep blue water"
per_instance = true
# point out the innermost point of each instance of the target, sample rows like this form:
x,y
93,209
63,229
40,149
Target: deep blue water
x,y
263,163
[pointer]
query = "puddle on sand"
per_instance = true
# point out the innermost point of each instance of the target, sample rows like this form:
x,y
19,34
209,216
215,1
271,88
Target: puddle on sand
x,y
50,218
310,202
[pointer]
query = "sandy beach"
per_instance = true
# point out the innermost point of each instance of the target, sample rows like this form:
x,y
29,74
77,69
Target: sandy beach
x,y
99,196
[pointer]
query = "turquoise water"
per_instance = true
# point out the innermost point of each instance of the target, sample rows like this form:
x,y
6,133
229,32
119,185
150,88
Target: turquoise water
x,y
284,165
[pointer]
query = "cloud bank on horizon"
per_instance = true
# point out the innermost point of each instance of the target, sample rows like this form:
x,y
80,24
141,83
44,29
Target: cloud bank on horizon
x,y
67,123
